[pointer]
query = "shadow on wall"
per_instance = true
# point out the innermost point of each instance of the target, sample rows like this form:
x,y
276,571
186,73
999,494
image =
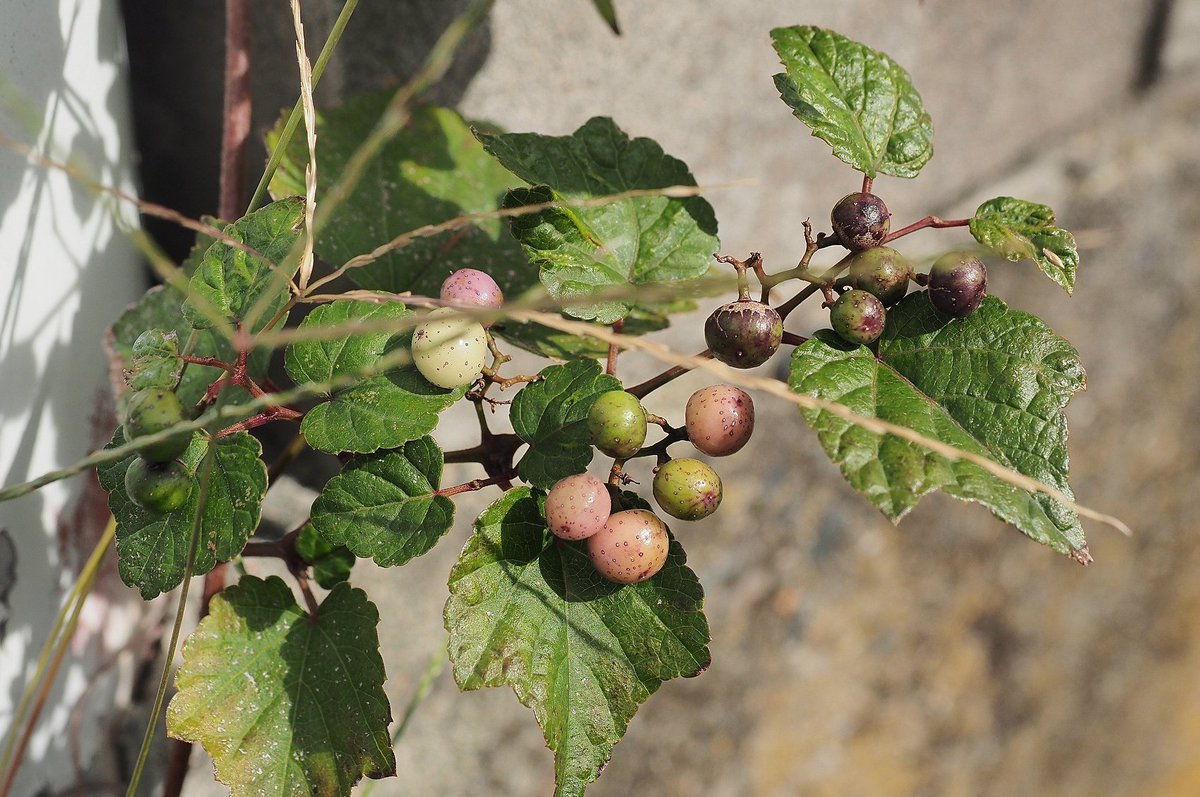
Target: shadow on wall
x,y
176,54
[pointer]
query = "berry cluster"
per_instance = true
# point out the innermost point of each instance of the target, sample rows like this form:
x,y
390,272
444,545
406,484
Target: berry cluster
x,y
157,480
630,545
879,275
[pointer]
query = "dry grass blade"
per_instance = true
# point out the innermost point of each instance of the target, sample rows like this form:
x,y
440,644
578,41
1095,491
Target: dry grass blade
x,y
310,127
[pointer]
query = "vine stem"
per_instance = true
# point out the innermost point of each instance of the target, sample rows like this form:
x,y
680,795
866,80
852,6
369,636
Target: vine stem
x,y
613,350
928,221
466,487
655,382
160,696
235,136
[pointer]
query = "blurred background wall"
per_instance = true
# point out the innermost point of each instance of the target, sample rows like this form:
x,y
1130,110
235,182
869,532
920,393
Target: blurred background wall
x,y
947,656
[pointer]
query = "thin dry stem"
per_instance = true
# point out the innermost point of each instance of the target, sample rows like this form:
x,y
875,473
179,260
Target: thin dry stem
x,y
310,127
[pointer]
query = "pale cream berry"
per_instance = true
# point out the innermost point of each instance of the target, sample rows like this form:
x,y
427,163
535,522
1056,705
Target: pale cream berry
x,y
448,349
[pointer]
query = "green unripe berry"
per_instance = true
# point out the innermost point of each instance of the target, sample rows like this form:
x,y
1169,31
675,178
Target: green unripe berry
x,y
151,411
687,489
159,487
617,424
882,272
857,317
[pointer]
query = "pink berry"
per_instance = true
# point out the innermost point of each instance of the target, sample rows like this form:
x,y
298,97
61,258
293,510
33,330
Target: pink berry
x,y
472,288
630,548
577,507
719,419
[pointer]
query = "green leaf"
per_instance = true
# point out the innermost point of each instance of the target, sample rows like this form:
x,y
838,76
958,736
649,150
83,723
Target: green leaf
x,y
285,704
994,384
381,506
384,411
609,14
530,611
432,171
549,342
551,416
331,564
1020,230
159,308
855,99
583,251
230,281
152,548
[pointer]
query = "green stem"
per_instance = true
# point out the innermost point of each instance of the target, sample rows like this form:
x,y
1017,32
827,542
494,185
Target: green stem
x,y
160,696
297,114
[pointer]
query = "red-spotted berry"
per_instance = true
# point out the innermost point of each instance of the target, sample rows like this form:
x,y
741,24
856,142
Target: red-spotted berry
x,y
153,410
744,333
577,507
860,221
631,547
687,489
467,286
158,486
882,272
857,317
617,424
719,419
957,283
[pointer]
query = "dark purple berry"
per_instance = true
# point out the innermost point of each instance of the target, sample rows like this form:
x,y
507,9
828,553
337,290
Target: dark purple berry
x,y
957,283
857,317
744,333
860,221
882,272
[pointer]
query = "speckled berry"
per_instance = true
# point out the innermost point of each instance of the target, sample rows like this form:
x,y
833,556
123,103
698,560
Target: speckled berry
x,y
744,333
150,411
860,221
617,424
687,489
719,419
957,283
159,487
448,349
631,547
857,317
473,288
882,272
577,507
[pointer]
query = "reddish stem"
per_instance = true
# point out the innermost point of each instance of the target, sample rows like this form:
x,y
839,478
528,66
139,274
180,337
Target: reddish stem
x,y
868,183
928,221
474,484
655,382
211,362
792,339
613,349
236,132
